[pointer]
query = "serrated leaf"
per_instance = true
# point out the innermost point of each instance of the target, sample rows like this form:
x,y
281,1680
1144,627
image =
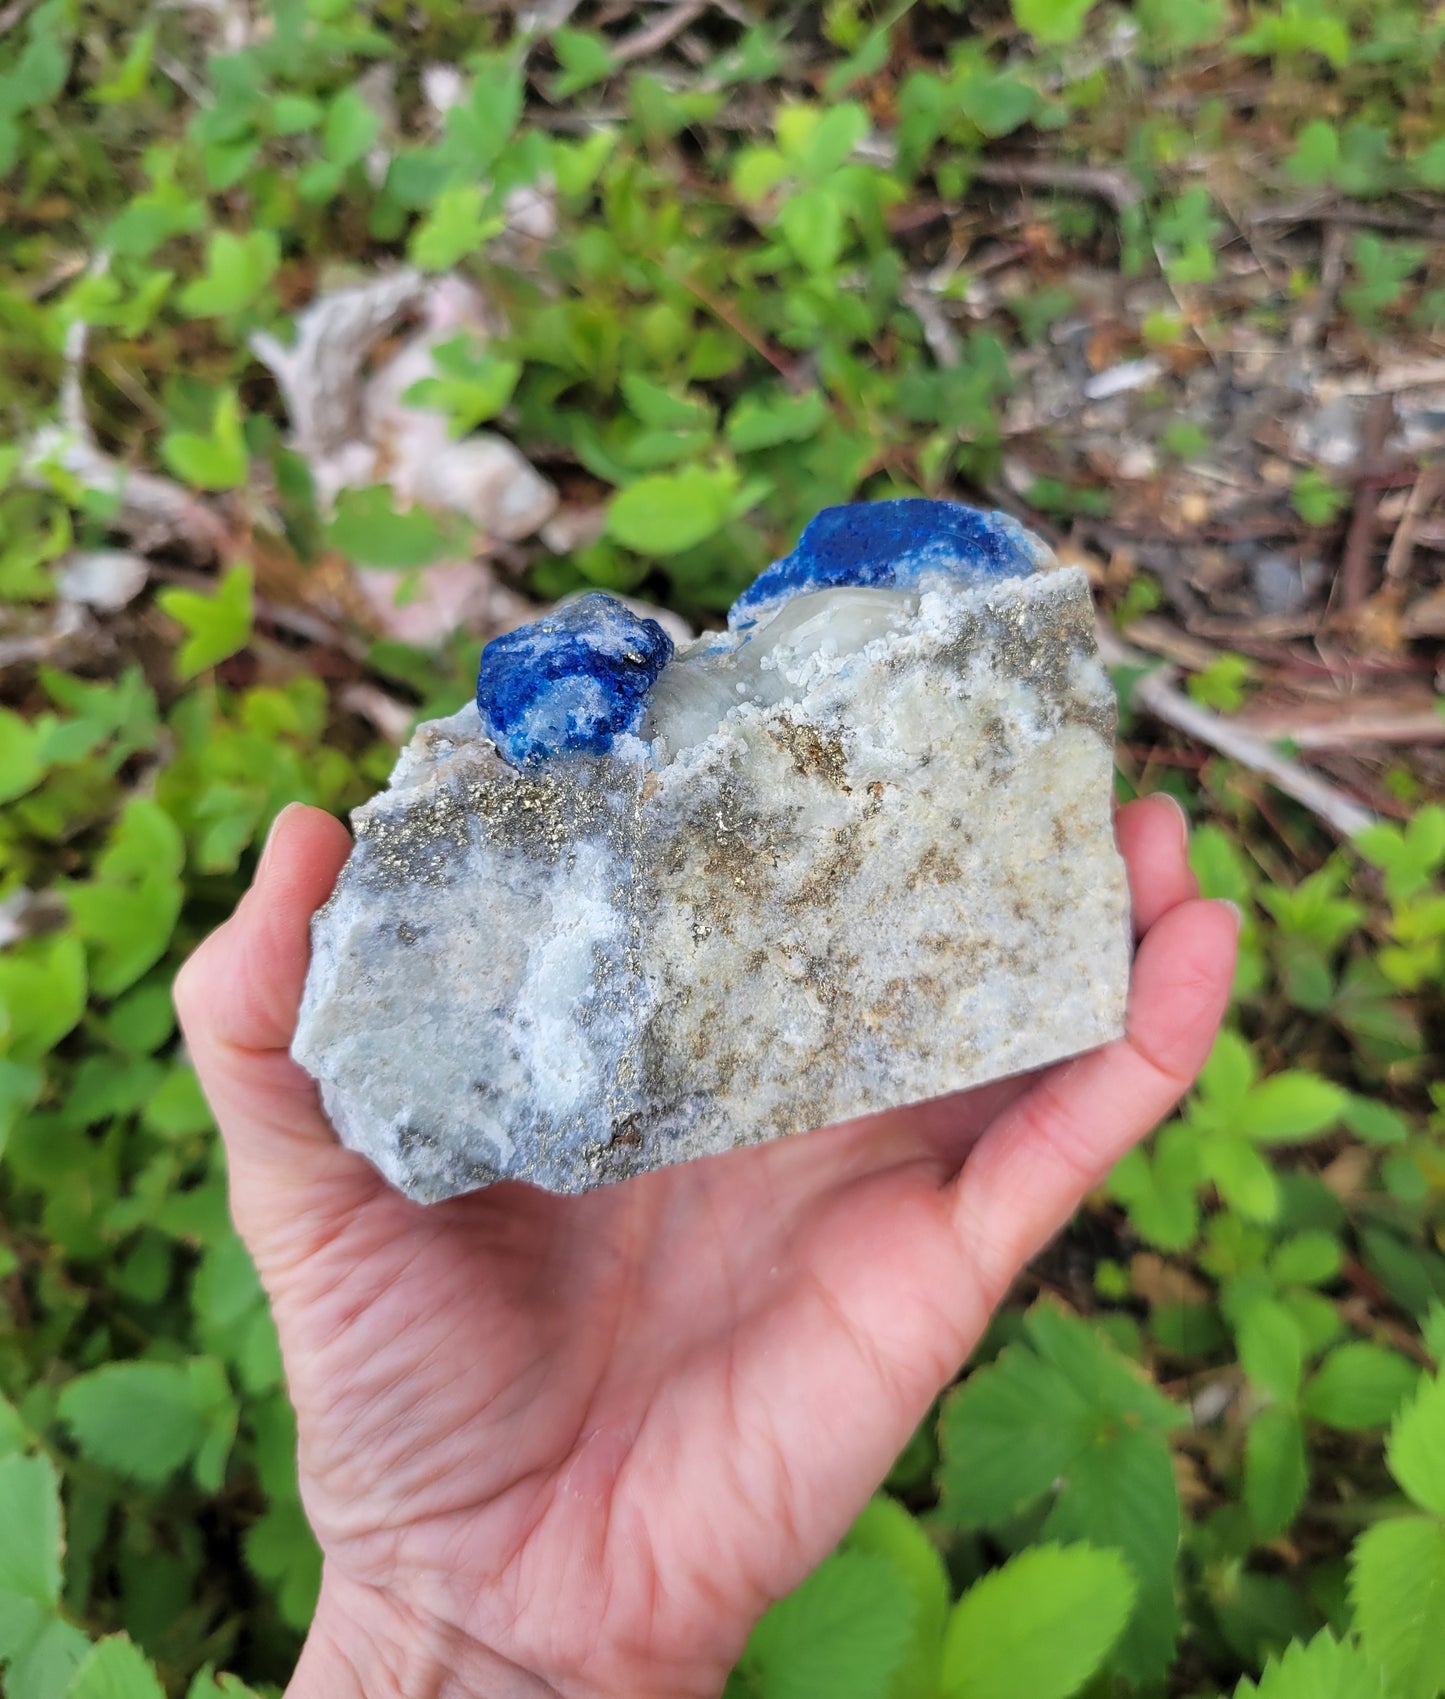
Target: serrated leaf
x,y
116,1668
996,102
1415,1451
1007,1435
1359,1385
1397,1587
843,1633
763,420
813,226
1324,1669
1039,1627
1271,1348
670,512
30,1528
215,462
457,224
886,1530
1120,1494
238,268
143,1420
42,994
1276,1470
369,530
217,626
1289,1106
350,129
45,1667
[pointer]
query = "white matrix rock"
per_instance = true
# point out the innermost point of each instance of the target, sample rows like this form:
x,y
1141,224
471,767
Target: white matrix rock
x,y
853,855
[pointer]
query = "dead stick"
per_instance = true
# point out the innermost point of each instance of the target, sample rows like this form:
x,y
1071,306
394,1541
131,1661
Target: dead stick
x,y
1402,544
1355,565
1119,190
1157,694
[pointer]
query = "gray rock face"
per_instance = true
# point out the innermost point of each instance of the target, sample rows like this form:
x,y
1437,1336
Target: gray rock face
x,y
857,855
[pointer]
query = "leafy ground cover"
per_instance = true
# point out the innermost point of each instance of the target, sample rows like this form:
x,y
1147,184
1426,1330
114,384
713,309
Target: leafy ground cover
x,y
1165,279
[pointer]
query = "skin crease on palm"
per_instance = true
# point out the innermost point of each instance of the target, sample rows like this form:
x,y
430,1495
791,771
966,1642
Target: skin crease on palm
x,y
576,1446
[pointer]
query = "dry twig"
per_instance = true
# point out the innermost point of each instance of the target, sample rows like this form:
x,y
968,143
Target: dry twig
x,y
658,33
1355,563
1115,187
1157,694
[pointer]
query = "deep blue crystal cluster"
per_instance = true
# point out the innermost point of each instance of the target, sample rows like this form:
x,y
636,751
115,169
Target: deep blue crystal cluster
x,y
569,683
890,545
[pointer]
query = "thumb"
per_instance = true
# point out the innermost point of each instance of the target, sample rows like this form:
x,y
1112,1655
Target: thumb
x,y
237,998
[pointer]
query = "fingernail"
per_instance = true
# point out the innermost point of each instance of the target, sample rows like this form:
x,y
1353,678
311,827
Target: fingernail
x,y
1179,814
271,837
1234,909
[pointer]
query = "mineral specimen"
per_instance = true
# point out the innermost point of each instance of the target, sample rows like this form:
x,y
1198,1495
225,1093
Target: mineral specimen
x,y
631,906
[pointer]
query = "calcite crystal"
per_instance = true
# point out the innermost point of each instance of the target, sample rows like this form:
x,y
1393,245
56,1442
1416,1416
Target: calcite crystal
x,y
634,906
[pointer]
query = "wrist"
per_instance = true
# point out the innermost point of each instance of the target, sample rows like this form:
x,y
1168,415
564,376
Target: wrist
x,y
363,1645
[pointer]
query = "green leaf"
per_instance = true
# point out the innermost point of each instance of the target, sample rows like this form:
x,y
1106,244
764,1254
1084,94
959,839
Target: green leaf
x,y
1008,1434
216,462
1375,1122
22,755
996,102
238,268
1359,1385
30,1528
128,912
350,129
457,225
1271,1348
585,60
1052,21
886,1530
1120,1494
1415,1451
1316,156
142,1420
1397,1587
663,409
1039,1627
1323,1669
1276,1470
42,994
813,226
115,1669
217,626
1289,1106
129,80
45,1666
670,512
1307,1259
763,419
843,1633
370,530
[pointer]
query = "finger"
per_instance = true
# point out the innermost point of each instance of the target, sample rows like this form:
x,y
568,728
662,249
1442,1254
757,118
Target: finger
x,y
242,987
238,996
1031,1170
1153,838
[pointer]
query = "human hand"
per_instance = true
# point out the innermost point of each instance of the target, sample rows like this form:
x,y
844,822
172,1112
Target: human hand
x,y
575,1446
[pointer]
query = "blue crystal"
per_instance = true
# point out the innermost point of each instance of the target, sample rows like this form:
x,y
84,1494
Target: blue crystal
x,y
891,545
567,684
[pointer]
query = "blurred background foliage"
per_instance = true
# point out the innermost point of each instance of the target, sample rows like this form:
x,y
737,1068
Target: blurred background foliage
x,y
712,266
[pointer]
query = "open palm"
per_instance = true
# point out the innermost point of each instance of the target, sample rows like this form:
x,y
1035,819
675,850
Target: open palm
x,y
577,1445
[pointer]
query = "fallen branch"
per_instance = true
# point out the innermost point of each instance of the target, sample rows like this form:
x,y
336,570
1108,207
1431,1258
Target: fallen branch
x,y
1341,731
1364,520
657,34
1156,693
1115,187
